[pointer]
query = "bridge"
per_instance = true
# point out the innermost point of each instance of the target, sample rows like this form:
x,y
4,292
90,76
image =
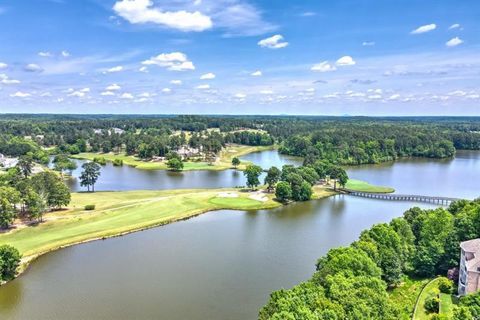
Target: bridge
x,y
403,197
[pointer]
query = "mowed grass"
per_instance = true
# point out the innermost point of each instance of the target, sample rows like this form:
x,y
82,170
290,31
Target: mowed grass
x,y
446,304
120,212
223,162
431,289
405,295
362,186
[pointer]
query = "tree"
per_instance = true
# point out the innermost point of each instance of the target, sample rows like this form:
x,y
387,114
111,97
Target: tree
x,y
50,186
9,261
9,197
35,203
25,164
273,175
89,175
235,162
283,191
303,192
252,172
63,163
175,164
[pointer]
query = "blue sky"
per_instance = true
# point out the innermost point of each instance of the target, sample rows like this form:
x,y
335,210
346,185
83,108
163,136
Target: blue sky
x,y
357,57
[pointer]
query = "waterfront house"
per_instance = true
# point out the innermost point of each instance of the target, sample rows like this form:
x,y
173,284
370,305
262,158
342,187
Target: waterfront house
x,y
469,277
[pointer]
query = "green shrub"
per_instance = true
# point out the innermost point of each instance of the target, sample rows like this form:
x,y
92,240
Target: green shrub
x,y
432,304
9,261
90,207
100,160
445,285
118,162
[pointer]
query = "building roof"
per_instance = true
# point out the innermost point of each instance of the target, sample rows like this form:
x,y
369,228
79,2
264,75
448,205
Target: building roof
x,y
472,246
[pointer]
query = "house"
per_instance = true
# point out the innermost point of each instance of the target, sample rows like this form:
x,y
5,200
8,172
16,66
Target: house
x,y
187,152
7,163
469,275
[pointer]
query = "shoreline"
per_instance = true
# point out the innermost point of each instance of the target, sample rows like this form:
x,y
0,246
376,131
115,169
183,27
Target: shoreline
x,y
26,261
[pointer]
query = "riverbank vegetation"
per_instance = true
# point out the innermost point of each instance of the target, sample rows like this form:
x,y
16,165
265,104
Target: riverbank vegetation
x,y
360,281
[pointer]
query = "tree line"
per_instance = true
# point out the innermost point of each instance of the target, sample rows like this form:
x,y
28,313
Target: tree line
x,y
353,282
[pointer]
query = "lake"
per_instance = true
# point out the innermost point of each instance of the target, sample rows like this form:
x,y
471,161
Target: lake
x,y
220,265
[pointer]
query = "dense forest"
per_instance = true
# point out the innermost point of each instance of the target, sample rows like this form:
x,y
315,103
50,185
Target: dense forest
x,y
354,282
348,140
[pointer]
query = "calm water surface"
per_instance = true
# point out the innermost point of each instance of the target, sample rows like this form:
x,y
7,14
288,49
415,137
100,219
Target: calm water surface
x,y
221,265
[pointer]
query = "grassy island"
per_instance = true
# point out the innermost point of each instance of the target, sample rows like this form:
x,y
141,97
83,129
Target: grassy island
x,y
362,186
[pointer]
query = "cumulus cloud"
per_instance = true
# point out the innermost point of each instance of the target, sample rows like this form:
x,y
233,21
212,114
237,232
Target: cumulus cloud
x,y
143,69
107,93
274,42
176,82
257,73
4,79
174,61
324,66
144,11
32,67
454,42
113,87
20,94
240,96
65,54
203,87
345,61
424,29
207,76
3,65
44,54
126,95
368,43
114,69
78,94
166,90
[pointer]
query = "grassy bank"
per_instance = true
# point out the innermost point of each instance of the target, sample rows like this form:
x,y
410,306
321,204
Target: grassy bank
x,y
405,295
223,162
362,186
431,289
117,213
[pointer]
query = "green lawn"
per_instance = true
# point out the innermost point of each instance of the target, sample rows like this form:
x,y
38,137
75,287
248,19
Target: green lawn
x,y
362,186
224,160
405,295
121,212
446,304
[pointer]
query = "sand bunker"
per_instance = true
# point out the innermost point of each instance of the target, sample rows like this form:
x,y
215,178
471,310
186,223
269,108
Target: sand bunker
x,y
228,195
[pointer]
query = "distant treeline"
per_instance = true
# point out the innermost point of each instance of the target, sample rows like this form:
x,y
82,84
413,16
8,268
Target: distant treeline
x,y
340,140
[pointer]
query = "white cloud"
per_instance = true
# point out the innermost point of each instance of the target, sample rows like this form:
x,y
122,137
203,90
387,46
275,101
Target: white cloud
x,y
113,87
143,11
207,76
308,14
78,94
275,42
46,94
394,96
368,43
345,61
266,92
257,73
454,42
144,95
85,90
107,93
175,61
143,69
20,94
166,90
3,65
32,67
126,95
203,87
176,82
324,66
44,54
65,54
240,96
454,26
425,28
4,79
114,69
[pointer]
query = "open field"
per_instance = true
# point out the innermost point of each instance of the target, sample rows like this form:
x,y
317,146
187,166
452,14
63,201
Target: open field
x,y
362,186
224,161
117,213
